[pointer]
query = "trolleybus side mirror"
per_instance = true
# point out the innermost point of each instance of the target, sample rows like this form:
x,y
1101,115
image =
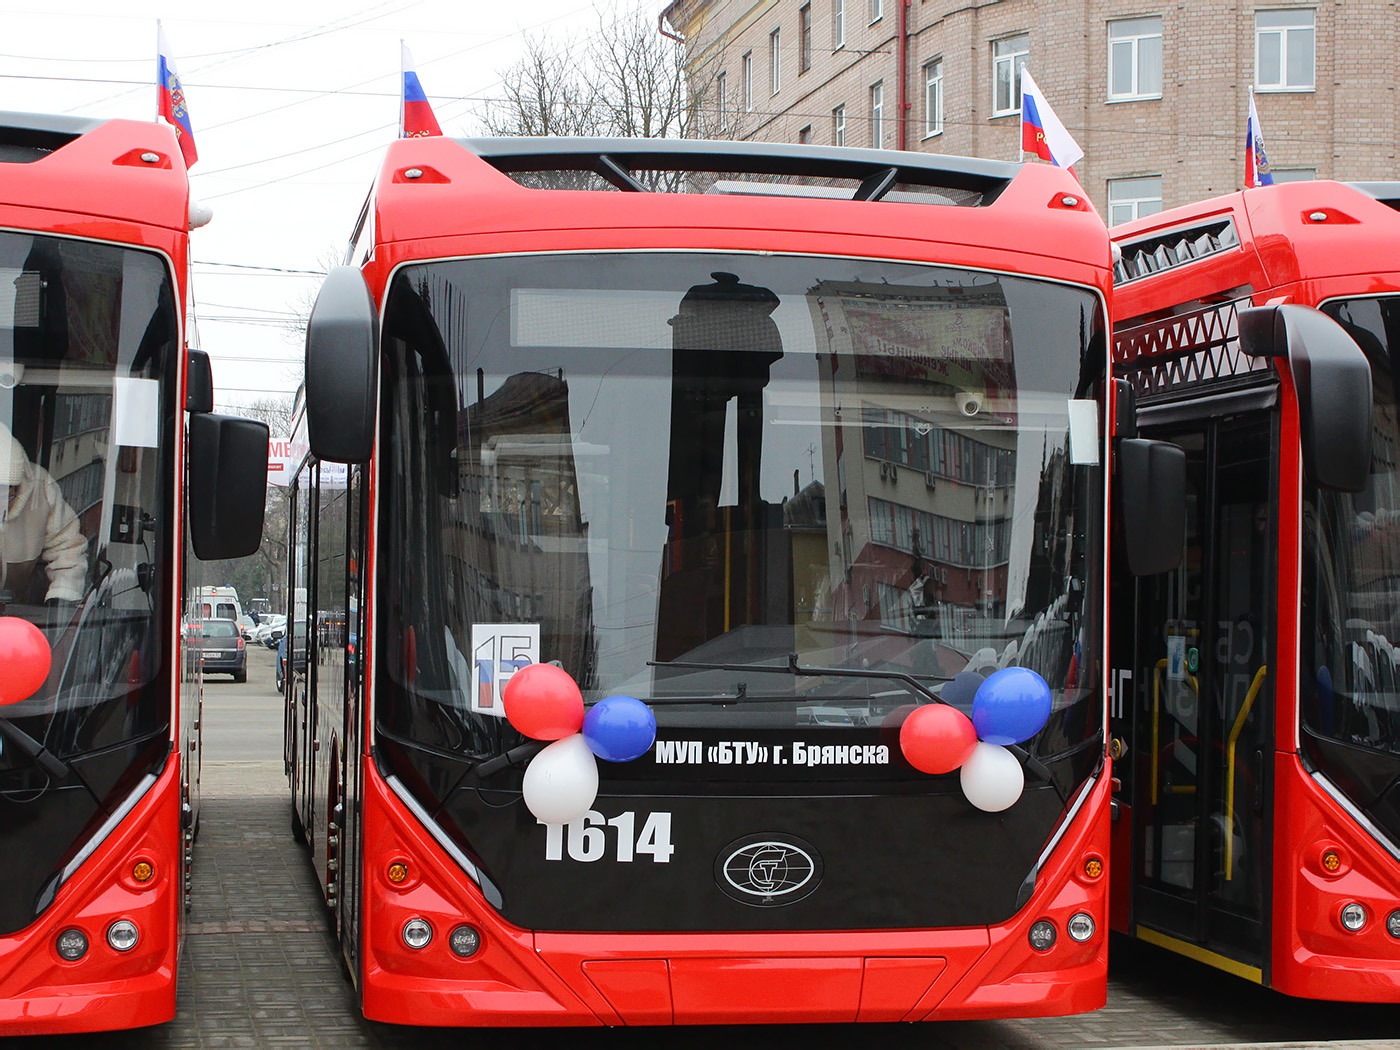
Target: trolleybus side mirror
x,y
228,485
342,350
1150,488
199,383
1333,382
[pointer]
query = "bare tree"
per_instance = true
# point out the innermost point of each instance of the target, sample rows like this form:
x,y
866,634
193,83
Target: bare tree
x,y
262,573
626,81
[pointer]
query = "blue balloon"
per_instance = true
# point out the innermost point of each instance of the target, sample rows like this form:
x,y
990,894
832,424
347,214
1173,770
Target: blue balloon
x,y
962,690
1012,705
619,728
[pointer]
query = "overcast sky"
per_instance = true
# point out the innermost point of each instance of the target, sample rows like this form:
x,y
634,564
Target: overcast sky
x,y
292,106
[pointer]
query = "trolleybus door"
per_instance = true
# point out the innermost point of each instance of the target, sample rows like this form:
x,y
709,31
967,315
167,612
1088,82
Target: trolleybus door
x,y
1205,642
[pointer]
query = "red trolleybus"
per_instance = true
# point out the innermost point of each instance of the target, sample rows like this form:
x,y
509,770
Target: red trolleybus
x,y
99,682
1258,826
786,443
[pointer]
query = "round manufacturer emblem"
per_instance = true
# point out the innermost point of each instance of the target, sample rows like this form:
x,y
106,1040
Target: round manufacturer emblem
x,y
768,871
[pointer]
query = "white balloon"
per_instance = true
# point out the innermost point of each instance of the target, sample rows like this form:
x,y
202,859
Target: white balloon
x,y
561,782
992,779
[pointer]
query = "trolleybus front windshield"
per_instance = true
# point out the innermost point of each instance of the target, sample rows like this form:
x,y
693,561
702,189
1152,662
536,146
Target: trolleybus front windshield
x,y
88,340
684,477
1350,675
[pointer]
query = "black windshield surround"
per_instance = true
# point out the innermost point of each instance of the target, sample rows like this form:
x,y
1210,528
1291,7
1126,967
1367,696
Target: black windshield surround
x,y
1349,678
661,461
89,339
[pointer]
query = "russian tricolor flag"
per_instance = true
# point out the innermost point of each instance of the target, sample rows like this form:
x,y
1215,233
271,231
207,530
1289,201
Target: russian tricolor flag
x,y
416,118
1256,164
170,98
1041,131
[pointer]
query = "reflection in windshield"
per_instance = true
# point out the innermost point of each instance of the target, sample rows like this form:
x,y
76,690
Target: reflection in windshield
x,y
1351,578
626,463
88,334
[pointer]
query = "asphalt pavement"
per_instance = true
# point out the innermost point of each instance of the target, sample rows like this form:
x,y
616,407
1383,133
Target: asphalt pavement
x,y
260,968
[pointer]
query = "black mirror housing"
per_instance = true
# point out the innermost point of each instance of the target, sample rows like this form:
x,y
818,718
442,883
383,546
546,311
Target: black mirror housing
x,y
1333,382
1150,487
227,485
342,355
199,382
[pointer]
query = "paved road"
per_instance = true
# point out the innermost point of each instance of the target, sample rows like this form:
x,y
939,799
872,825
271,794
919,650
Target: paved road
x,y
260,968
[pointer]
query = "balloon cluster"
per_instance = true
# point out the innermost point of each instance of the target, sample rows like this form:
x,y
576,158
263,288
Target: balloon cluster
x,y
25,658
543,702
1009,706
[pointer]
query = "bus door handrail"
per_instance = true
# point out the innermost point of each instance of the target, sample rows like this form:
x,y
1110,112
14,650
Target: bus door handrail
x,y
1235,731
1156,717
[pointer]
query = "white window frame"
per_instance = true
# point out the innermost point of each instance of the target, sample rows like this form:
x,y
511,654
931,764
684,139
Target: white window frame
x,y
838,24
746,65
1007,55
838,125
877,10
775,61
721,93
1131,199
933,98
1287,24
1135,41
877,114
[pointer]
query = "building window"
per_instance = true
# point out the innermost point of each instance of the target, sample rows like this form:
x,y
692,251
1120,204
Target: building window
x,y
748,81
877,10
804,137
838,24
1293,174
838,126
877,114
933,98
1007,56
1130,199
1284,50
804,38
1135,58
721,95
775,68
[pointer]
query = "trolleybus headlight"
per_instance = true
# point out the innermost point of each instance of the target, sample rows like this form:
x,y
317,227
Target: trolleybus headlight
x,y
122,935
417,934
1353,917
464,941
1392,924
72,945
1080,926
1042,936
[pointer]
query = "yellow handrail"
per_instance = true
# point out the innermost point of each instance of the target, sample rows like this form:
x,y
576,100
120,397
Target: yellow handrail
x,y
1235,731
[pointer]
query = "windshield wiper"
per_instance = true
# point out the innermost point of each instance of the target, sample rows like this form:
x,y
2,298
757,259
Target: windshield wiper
x,y
792,667
45,759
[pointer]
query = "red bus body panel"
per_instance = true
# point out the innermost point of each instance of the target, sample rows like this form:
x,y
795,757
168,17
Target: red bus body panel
x,y
99,187
539,978
520,977
1305,243
41,993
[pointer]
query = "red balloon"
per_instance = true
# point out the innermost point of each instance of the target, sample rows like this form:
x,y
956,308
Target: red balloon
x,y
543,702
25,657
937,738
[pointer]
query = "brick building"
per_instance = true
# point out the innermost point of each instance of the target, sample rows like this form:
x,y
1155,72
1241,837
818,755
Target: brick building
x,y
1156,94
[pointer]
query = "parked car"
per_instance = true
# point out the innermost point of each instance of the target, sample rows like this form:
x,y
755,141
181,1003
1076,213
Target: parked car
x,y
223,650
247,624
270,631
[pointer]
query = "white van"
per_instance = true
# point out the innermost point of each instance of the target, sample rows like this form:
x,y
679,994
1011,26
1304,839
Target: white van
x,y
218,602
